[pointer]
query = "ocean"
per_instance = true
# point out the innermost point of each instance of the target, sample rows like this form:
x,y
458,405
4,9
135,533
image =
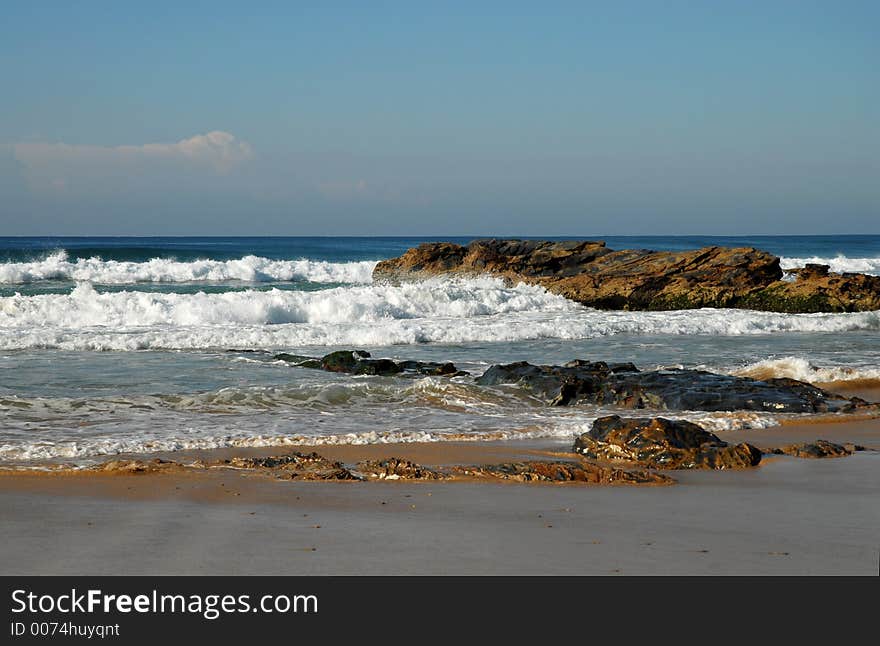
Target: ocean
x,y
136,345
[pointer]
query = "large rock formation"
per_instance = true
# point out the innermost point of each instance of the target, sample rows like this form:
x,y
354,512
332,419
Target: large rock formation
x,y
662,443
623,385
637,279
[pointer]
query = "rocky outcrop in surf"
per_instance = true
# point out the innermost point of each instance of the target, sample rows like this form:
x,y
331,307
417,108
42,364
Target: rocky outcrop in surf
x,y
636,279
360,362
660,443
622,385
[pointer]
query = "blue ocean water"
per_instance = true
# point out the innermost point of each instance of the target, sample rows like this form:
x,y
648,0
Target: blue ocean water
x,y
112,345
339,249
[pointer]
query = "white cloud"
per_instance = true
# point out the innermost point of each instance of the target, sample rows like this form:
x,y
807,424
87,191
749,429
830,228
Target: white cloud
x,y
218,149
55,165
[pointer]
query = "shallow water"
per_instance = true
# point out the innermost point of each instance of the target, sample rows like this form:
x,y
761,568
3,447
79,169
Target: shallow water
x,y
112,345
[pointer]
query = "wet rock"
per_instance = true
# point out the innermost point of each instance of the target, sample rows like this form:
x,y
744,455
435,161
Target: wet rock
x,y
662,443
810,270
637,279
817,449
295,466
624,386
397,469
583,472
135,466
817,290
431,368
299,360
359,362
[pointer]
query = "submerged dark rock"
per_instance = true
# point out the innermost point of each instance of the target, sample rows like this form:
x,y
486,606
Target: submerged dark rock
x,y
662,443
582,472
588,272
624,386
817,449
360,362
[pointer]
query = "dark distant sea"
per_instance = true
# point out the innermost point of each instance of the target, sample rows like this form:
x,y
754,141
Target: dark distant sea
x,y
112,345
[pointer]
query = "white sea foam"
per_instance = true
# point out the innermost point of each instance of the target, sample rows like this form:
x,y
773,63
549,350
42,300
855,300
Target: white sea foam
x,y
562,426
803,370
254,269
837,264
435,311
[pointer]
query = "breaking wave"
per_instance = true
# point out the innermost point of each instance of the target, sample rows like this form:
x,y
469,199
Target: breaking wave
x,y
838,264
803,370
253,269
435,311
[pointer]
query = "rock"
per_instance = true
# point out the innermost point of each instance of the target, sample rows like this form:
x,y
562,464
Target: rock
x,y
431,368
295,466
359,362
397,469
662,443
815,291
810,270
817,449
135,466
637,279
583,471
299,360
624,386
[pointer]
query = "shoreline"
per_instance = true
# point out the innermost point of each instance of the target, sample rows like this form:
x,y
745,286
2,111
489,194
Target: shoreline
x,y
762,520
859,429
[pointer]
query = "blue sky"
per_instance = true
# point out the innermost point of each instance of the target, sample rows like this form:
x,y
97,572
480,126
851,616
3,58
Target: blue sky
x,y
485,118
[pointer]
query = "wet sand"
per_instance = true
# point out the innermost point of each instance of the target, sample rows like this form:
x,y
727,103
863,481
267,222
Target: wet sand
x,y
787,516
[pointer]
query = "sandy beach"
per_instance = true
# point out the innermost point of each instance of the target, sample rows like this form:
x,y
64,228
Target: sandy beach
x,y
786,516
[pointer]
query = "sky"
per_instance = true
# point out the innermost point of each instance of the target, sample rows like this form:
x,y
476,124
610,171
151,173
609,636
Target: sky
x,y
446,118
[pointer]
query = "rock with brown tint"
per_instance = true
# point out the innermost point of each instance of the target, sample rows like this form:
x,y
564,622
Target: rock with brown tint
x,y
135,466
295,466
815,290
662,443
397,469
817,449
637,279
583,472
